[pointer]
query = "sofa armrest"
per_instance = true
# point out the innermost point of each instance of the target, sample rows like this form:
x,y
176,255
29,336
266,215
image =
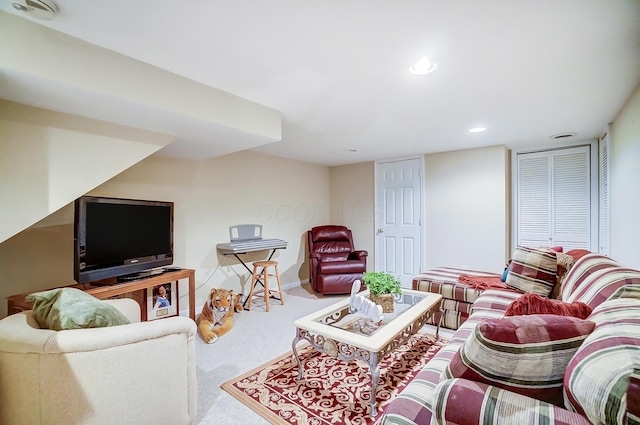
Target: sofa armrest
x,y
465,402
22,335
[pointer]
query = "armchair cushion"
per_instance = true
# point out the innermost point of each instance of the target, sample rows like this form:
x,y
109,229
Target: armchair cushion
x,y
524,354
71,308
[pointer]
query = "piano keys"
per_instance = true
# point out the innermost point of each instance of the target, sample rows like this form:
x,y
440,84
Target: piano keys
x,y
248,238
251,246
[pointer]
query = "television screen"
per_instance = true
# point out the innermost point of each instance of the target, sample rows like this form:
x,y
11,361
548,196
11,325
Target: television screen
x,y
116,237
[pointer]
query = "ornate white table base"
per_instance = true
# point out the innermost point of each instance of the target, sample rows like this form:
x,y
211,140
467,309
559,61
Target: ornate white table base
x,y
348,352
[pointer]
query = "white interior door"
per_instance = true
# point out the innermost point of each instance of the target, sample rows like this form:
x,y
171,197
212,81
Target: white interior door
x,y
399,218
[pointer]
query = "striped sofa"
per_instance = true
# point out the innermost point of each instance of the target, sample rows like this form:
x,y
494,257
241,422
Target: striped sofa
x,y
600,384
457,298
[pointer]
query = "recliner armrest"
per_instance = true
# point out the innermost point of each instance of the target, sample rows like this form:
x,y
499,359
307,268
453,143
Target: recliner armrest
x,y
358,255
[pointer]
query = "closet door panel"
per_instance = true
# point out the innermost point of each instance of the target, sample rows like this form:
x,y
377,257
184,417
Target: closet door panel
x,y
571,201
604,239
534,200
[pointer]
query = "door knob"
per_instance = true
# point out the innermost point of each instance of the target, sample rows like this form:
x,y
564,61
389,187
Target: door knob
x,y
381,230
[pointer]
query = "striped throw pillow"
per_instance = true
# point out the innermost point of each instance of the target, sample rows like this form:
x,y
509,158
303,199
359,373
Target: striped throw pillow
x,y
602,380
532,270
524,354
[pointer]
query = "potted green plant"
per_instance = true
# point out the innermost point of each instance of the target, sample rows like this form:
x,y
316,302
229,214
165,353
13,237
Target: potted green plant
x,y
383,286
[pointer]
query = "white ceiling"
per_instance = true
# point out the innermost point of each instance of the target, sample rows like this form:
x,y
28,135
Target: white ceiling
x,y
338,69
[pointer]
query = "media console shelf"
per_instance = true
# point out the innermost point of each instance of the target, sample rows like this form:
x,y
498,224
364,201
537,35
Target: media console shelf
x,y
18,303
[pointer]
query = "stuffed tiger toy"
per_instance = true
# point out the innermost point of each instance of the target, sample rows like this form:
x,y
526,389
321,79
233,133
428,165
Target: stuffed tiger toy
x,y
216,318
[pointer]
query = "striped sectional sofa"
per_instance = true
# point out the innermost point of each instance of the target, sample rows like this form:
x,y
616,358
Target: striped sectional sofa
x,y
599,381
457,298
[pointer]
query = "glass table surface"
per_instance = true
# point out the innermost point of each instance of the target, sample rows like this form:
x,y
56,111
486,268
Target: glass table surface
x,y
338,323
358,323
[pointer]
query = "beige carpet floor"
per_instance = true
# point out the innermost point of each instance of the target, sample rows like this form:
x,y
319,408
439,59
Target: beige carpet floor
x,y
256,338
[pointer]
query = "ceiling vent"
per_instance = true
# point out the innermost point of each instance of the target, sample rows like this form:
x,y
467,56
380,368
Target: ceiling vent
x,y
561,136
39,9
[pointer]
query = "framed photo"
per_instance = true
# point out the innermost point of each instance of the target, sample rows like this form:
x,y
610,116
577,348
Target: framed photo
x,y
162,301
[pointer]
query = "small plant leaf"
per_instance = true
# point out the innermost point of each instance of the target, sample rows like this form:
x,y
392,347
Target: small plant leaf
x,y
382,283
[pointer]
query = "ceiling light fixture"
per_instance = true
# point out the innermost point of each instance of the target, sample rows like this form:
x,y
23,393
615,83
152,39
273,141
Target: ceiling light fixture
x,y
477,129
423,67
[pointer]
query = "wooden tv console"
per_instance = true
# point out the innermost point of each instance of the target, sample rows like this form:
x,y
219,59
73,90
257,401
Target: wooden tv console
x,y
103,290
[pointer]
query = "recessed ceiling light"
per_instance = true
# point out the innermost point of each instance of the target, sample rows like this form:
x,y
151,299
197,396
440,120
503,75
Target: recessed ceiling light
x,y
423,67
477,129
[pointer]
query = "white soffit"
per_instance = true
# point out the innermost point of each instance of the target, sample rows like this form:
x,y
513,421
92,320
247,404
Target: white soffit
x,y
105,85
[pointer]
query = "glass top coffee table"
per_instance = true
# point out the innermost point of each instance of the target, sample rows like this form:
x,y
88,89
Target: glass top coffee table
x,y
350,336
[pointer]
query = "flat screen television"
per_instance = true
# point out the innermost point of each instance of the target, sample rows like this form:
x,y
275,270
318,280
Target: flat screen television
x,y
122,238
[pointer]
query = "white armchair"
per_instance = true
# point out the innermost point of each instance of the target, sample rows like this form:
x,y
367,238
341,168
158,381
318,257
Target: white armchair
x,y
141,373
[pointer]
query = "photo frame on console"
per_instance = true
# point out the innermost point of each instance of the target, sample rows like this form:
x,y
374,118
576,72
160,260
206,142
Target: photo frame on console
x,y
162,301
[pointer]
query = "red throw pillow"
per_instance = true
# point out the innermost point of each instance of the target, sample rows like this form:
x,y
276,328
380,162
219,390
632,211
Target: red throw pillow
x,y
536,304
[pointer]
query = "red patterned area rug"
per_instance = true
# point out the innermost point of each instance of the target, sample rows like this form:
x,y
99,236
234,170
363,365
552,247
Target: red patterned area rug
x,y
330,391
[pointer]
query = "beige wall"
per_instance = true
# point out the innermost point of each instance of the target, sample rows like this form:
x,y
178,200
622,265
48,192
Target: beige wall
x,y
352,195
286,197
625,183
466,207
466,214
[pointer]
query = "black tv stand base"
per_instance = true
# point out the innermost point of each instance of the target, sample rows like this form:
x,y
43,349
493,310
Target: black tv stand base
x,y
137,276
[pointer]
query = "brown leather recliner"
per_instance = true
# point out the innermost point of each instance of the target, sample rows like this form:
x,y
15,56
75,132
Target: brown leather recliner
x,y
334,264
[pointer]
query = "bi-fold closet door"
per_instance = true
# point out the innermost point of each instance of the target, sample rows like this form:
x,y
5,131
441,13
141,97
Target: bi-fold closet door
x,y
554,199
